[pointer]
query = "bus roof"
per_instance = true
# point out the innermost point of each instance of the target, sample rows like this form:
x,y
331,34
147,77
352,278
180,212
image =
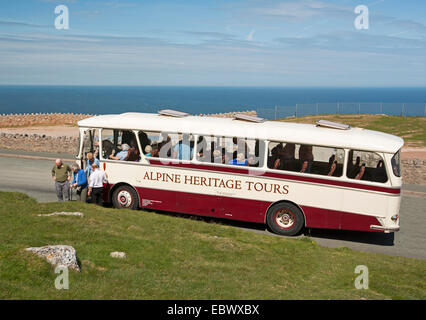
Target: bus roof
x,y
354,138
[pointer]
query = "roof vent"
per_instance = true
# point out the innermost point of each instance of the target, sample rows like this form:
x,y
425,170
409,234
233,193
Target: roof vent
x,y
173,113
333,125
246,117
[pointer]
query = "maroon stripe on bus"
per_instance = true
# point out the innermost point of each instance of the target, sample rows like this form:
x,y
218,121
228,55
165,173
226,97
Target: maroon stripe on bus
x,y
332,219
247,209
280,176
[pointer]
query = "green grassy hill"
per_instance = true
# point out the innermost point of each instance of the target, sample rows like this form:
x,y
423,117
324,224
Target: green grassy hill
x,y
175,258
412,129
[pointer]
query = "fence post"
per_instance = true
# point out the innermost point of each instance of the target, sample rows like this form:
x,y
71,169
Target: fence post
x,y
381,107
359,107
316,107
275,112
296,111
337,112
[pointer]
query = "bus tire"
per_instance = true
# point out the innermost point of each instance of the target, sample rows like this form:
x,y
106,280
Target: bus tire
x,y
125,197
285,219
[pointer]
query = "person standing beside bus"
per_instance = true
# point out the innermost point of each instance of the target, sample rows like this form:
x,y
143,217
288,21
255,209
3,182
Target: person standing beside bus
x,y
79,182
61,174
96,184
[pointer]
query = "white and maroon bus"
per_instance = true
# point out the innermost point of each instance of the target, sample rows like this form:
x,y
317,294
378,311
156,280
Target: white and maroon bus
x,y
286,175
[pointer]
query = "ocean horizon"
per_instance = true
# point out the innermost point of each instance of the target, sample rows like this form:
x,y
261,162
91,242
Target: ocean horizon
x,y
195,100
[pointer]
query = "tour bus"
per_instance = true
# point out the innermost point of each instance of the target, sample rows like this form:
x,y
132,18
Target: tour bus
x,y
286,175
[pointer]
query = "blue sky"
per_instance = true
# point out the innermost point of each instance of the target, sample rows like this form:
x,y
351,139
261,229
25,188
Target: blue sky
x,y
213,43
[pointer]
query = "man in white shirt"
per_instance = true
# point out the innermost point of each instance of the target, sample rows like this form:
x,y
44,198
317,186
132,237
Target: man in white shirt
x,y
96,184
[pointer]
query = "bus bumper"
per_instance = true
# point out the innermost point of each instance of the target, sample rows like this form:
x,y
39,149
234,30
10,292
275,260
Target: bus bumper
x,y
384,229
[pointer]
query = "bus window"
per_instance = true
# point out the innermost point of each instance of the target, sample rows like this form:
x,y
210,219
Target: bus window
x,y
168,145
152,142
367,166
396,164
230,150
326,161
119,145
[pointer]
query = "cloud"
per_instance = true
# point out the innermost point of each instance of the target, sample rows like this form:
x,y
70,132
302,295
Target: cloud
x,y
22,24
304,9
355,41
210,35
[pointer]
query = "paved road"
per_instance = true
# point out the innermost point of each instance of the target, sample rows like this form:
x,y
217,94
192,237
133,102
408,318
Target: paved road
x,y
32,177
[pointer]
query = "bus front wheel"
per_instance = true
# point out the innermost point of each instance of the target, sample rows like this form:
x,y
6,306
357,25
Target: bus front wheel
x,y
125,197
285,219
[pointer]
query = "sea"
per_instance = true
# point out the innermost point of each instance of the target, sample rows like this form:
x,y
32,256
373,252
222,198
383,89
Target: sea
x,y
204,100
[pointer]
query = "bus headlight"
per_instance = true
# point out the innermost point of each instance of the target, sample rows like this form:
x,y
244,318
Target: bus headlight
x,y
395,218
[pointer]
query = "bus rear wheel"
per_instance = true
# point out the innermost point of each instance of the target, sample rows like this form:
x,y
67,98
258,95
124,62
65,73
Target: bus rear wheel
x,y
285,219
125,197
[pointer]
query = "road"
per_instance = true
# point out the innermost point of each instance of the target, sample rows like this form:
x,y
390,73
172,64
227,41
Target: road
x,y
32,176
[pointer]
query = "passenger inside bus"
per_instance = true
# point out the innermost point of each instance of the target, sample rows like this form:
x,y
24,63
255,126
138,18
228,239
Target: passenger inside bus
x,y
372,168
274,159
122,155
183,150
287,159
332,162
239,161
306,158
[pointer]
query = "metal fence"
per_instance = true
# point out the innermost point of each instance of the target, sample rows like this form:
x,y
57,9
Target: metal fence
x,y
392,109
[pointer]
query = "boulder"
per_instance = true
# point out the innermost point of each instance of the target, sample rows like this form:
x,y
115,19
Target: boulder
x,y
58,255
116,254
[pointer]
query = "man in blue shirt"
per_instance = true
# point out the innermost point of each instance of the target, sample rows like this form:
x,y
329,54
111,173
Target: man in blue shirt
x,y
79,182
183,150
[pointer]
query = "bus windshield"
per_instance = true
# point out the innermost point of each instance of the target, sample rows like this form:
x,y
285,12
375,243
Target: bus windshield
x,y
396,164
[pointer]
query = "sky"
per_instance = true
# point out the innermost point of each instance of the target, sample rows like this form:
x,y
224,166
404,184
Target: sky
x,y
302,43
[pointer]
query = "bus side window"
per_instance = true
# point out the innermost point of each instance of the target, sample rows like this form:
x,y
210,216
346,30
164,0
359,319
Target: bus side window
x,y
288,156
119,145
367,166
284,156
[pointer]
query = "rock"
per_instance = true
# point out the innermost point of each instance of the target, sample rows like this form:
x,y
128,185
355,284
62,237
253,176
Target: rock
x,y
62,214
58,255
116,254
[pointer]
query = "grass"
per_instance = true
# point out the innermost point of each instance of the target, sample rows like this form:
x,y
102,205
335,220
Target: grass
x,y
412,129
175,258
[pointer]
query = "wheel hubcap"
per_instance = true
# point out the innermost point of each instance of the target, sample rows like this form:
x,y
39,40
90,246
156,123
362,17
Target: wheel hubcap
x,y
124,198
284,218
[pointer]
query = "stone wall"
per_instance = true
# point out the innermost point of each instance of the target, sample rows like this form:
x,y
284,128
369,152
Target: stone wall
x,y
38,143
413,171
35,119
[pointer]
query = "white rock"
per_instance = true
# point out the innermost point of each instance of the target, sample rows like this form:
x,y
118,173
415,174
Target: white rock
x,y
62,214
116,254
58,255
